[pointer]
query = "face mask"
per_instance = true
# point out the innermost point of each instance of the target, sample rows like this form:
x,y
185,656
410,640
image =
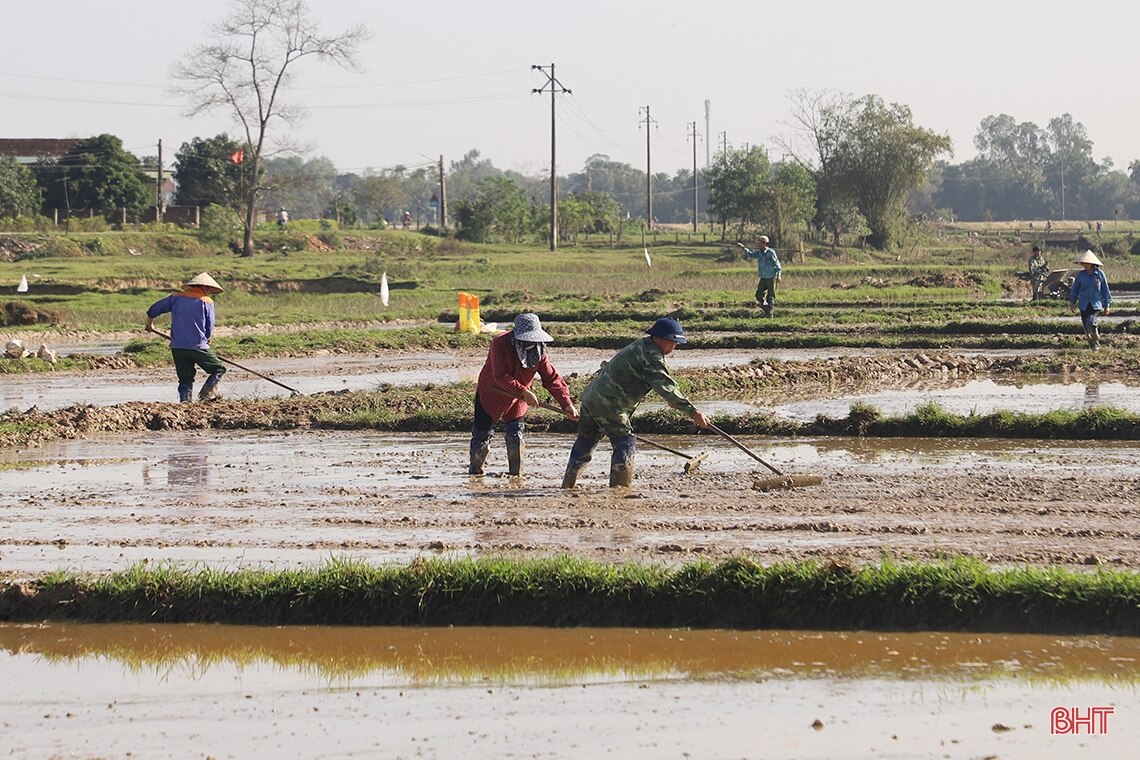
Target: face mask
x,y
529,353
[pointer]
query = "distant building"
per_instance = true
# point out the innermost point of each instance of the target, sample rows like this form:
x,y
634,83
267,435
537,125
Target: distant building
x,y
31,149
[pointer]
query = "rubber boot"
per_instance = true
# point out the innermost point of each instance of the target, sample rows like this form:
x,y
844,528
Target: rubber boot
x,y
515,447
480,447
478,457
209,388
580,456
621,462
1094,338
515,451
185,393
621,475
570,477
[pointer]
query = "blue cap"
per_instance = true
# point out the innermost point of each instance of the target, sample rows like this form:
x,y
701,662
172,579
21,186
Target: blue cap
x,y
669,329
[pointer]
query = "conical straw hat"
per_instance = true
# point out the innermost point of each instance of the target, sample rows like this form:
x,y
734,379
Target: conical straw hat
x,y
204,280
1089,258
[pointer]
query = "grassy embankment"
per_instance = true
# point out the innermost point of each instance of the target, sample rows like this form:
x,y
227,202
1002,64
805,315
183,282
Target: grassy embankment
x,y
448,409
956,594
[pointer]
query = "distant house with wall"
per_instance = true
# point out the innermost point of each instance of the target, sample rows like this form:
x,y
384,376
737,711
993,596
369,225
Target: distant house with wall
x,y
29,150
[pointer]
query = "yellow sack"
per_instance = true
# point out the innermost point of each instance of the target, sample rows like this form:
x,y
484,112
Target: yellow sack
x,y
469,313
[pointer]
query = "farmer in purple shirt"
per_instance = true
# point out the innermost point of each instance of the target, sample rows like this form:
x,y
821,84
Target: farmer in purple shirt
x,y
191,327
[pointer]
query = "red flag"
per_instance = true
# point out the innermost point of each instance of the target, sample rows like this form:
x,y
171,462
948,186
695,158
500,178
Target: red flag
x,y
238,155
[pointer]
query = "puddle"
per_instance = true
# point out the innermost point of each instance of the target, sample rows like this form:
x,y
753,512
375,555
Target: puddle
x,y
227,691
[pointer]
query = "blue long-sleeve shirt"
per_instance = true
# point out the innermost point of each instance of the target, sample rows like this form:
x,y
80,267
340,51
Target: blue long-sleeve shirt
x,y
191,318
767,263
1090,290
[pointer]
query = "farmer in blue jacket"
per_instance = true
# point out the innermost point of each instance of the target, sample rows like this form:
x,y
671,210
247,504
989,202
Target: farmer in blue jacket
x,y
191,327
1090,294
768,270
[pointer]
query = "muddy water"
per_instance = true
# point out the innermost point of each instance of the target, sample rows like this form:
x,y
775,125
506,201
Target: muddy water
x,y
318,374
975,396
239,500
222,691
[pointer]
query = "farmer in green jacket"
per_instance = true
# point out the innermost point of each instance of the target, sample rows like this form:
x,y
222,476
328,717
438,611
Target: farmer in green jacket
x,y
614,393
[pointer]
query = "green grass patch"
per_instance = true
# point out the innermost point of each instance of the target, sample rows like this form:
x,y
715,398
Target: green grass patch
x,y
954,594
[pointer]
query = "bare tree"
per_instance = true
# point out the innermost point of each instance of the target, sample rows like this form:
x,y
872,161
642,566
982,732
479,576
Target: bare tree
x,y
247,68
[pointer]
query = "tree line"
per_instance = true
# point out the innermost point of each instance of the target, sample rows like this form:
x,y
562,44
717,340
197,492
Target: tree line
x,y
856,166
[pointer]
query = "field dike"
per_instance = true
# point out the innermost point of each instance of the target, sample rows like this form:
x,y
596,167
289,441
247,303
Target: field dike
x,y
447,408
950,595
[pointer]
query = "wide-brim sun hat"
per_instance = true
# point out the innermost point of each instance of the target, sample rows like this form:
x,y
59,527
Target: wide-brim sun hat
x,y
529,330
204,280
764,239
669,329
1089,258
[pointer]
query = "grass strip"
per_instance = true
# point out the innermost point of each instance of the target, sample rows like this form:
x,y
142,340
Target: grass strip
x,y
952,594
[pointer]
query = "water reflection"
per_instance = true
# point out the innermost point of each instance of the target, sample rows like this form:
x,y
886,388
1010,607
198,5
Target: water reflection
x,y
542,655
973,397
188,472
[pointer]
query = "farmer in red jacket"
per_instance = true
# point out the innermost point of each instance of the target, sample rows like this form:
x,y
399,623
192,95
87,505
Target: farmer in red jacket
x,y
503,392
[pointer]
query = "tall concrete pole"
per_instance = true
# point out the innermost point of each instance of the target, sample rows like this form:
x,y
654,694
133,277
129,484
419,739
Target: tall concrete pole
x,y
696,208
648,172
555,88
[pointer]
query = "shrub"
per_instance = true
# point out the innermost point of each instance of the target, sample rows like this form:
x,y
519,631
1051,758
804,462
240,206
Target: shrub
x,y
221,227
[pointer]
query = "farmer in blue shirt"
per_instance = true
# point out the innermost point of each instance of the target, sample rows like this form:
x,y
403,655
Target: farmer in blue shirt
x,y
191,327
1090,294
768,270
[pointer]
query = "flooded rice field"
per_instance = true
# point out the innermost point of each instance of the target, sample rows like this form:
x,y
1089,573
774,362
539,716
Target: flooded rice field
x,y
216,691
331,373
281,500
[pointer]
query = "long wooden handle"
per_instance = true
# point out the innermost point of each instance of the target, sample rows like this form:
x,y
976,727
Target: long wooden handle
x,y
294,391
745,449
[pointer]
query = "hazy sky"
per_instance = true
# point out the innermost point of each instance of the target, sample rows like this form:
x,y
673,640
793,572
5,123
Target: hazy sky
x,y
455,75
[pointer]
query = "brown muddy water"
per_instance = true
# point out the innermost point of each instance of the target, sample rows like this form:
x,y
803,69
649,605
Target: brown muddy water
x,y
320,374
163,691
282,500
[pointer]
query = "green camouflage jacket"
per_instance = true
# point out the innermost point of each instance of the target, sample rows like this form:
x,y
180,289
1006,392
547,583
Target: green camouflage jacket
x,y
626,379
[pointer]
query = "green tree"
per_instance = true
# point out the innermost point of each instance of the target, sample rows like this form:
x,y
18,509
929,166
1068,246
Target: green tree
x,y
19,193
497,210
625,184
205,172
380,196
739,187
604,211
97,174
246,70
1070,168
880,156
791,198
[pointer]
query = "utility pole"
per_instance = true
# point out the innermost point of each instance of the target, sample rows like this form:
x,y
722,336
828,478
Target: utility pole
x,y
648,171
696,210
555,88
1062,189
724,142
442,197
158,188
708,131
